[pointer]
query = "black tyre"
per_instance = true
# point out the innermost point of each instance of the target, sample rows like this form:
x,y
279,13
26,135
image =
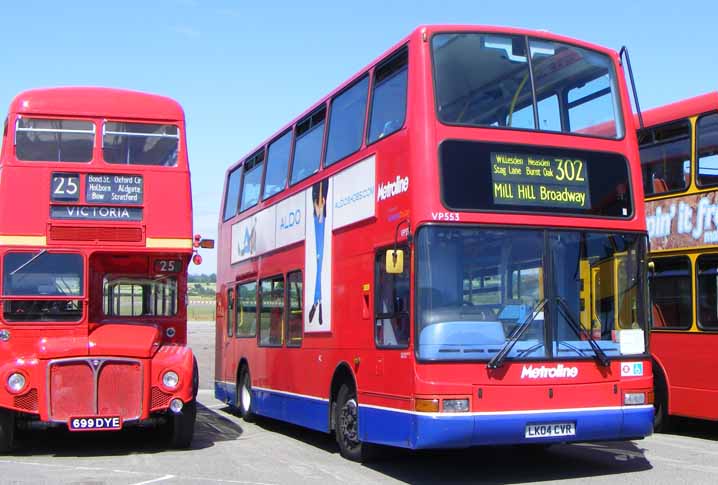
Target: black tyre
x,y
244,396
7,430
195,378
181,426
346,427
662,421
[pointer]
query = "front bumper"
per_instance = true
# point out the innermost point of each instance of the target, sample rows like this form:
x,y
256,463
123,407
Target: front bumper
x,y
441,430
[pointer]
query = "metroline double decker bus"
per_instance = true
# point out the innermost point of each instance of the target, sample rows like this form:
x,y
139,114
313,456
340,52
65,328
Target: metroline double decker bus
x,y
96,238
447,251
679,154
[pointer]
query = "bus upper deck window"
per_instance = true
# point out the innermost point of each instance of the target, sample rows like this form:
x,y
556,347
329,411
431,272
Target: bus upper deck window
x,y
140,143
48,140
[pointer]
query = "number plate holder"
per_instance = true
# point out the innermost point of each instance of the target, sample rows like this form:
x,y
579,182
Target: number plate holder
x,y
95,423
550,430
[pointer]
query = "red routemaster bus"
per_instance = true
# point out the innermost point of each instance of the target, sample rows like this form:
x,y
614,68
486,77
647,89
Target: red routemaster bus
x,y
679,155
96,238
447,251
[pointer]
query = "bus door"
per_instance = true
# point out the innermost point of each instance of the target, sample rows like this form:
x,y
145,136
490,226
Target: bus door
x,y
392,327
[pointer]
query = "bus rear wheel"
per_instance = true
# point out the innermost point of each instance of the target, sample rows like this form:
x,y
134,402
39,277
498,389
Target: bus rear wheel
x,y
346,427
181,426
244,396
7,430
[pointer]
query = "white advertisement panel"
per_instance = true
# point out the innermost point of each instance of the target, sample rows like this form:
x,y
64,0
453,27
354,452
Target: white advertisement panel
x,y
291,219
265,230
353,191
244,239
318,258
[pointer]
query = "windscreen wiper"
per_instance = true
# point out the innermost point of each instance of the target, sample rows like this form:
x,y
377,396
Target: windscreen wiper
x,y
28,262
498,360
566,311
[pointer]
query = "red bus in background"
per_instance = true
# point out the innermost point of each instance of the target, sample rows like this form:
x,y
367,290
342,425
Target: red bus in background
x,y
96,238
447,251
679,155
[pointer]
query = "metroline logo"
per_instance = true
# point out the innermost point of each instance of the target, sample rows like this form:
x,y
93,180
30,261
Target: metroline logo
x,y
551,372
390,189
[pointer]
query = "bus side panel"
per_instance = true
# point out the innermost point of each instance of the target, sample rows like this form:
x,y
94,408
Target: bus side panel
x,y
300,410
689,359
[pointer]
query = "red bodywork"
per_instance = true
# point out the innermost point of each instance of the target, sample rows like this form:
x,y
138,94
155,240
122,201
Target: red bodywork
x,y
98,366
686,358
393,378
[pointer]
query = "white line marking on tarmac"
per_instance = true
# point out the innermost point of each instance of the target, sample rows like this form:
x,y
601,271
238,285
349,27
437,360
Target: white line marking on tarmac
x,y
129,472
160,479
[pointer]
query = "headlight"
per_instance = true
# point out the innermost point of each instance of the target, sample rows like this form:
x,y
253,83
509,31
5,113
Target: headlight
x,y
170,379
456,405
16,382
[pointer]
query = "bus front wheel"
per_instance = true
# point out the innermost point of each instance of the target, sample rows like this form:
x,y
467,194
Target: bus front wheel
x,y
245,396
7,430
181,426
346,427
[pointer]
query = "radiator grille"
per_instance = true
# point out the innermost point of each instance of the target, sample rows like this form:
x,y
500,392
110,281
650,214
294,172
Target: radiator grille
x,y
119,390
72,390
27,402
95,387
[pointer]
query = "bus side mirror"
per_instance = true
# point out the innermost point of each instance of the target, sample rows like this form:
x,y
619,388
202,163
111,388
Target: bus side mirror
x,y
651,268
394,261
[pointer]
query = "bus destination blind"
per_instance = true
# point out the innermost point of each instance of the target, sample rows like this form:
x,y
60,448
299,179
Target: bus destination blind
x,y
539,180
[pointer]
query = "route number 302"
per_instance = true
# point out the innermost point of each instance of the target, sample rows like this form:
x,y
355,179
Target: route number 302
x,y
65,187
570,170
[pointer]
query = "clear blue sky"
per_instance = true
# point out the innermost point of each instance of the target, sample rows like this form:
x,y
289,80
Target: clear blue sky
x,y
243,69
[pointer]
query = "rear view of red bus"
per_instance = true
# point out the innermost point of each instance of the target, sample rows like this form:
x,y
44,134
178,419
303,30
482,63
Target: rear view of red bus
x,y
96,234
449,250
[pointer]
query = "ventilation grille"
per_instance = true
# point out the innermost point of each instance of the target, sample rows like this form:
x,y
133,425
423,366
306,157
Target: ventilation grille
x,y
107,234
27,402
160,399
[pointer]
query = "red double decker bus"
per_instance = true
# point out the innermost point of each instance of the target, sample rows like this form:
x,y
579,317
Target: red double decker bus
x,y
679,154
447,251
96,238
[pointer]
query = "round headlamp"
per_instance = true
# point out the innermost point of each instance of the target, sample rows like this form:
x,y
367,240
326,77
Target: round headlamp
x,y
170,379
16,382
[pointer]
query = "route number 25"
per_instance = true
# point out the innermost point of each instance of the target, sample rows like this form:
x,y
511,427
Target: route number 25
x,y
65,187
168,265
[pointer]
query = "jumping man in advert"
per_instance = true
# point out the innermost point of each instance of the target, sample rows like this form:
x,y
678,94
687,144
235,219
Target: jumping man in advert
x,y
319,199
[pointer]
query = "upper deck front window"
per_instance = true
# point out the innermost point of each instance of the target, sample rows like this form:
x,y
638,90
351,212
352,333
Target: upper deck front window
x,y
140,143
48,140
489,80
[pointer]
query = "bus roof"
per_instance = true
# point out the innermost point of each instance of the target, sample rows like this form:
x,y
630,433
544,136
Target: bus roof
x,y
681,109
419,31
96,101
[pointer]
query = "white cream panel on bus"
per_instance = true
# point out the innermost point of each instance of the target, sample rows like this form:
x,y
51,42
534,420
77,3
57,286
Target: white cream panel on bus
x,y
354,190
291,219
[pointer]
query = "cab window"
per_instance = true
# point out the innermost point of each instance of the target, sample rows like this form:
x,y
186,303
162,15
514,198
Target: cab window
x,y
125,296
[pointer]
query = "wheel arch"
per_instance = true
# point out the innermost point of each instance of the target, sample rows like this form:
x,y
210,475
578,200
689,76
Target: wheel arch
x,y
343,374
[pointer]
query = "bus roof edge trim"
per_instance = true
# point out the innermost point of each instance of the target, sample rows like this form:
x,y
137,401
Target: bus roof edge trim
x,y
23,240
176,243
